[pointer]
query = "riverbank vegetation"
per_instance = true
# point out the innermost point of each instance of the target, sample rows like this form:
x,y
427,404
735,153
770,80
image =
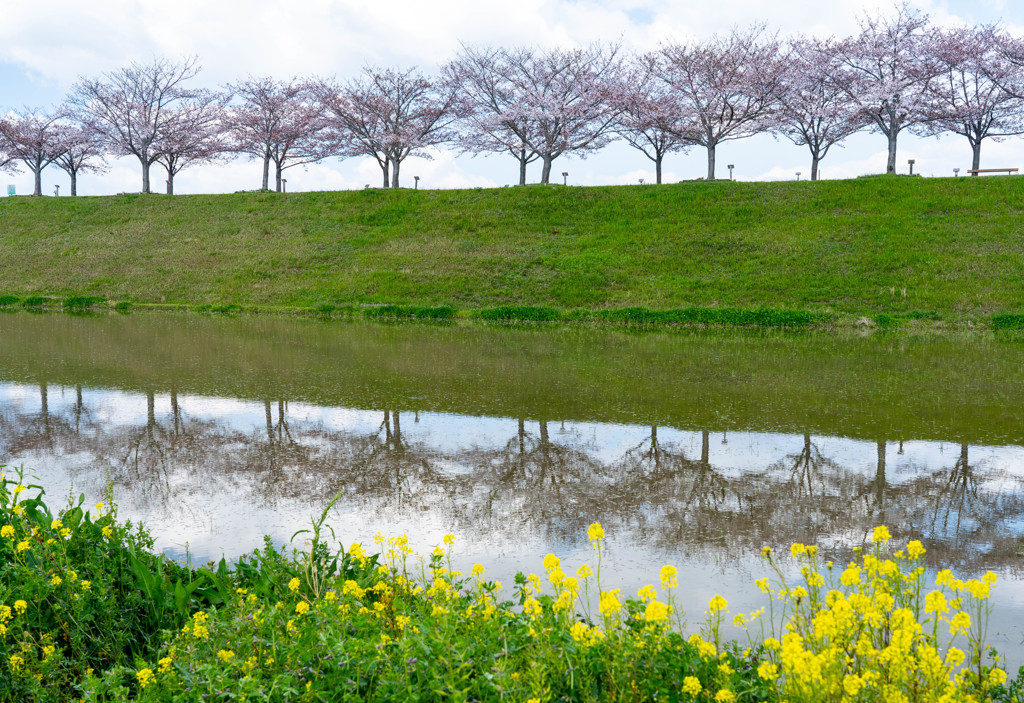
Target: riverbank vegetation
x,y
945,249
88,611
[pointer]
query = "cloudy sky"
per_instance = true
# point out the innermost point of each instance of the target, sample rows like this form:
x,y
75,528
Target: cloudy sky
x,y
44,47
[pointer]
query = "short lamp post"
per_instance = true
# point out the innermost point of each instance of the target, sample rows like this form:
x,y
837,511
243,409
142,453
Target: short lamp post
x,y
56,191
641,181
731,167
284,185
416,184
911,162
798,175
956,173
565,178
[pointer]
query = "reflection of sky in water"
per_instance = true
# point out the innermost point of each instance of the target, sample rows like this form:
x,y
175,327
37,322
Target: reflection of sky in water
x,y
228,513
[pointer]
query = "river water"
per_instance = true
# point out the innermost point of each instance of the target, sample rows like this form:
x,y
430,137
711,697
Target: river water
x,y
691,448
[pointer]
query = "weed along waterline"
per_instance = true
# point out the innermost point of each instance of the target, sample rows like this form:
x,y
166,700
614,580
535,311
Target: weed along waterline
x,y
690,449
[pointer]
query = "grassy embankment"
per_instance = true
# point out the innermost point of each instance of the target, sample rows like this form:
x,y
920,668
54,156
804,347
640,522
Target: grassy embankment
x,y
88,612
888,248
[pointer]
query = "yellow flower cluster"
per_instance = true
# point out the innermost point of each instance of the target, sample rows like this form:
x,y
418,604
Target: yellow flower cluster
x,y
875,629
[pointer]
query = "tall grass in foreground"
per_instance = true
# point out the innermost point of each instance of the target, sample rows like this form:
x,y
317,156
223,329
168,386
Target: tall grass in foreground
x,y
88,612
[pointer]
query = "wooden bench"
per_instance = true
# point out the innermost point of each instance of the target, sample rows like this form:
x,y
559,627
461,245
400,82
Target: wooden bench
x,y
976,171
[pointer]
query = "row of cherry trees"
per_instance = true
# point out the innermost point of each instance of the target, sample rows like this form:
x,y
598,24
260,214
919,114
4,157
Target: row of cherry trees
x,y
899,73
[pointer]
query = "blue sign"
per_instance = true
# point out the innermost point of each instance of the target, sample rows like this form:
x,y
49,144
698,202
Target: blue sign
x,y
10,189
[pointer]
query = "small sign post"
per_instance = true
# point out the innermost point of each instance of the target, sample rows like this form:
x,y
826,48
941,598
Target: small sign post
x,y
10,189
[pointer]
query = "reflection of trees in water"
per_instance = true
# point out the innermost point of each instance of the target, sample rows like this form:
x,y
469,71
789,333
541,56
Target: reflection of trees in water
x,y
537,484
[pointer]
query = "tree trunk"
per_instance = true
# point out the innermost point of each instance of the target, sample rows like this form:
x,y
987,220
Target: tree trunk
x,y
522,167
711,161
395,165
657,169
545,174
170,182
145,176
385,167
38,172
74,183
890,166
976,157
814,166
277,177
266,171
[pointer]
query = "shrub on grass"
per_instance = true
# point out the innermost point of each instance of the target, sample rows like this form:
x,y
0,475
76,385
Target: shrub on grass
x,y
445,312
6,300
123,306
520,312
33,301
763,317
1008,321
83,301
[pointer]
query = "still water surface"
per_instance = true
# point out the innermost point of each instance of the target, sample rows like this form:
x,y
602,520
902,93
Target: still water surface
x,y
693,449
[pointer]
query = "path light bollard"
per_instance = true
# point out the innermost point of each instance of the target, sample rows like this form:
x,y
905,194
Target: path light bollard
x,y
730,167
911,162
956,173
56,191
284,185
641,181
565,178
416,185
798,175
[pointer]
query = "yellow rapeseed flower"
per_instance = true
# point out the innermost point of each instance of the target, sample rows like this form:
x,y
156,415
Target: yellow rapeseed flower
x,y
477,569
165,663
584,571
7,531
880,535
691,686
647,593
20,606
717,603
86,585
768,671
449,539
24,546
107,531
293,585
551,562
796,549
609,603
56,525
55,581
145,677
668,576
302,607
915,549
225,655
595,532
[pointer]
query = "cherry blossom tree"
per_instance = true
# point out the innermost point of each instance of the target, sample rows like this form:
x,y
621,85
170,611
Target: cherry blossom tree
x,y
814,111
971,96
389,115
193,133
727,87
33,138
82,151
565,99
133,107
490,101
279,122
888,70
649,113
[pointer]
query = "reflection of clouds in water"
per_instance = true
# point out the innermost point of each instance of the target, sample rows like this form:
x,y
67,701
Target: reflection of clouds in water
x,y
216,478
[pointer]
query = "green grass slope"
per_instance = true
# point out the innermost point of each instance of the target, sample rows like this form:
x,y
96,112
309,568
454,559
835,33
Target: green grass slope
x,y
856,247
